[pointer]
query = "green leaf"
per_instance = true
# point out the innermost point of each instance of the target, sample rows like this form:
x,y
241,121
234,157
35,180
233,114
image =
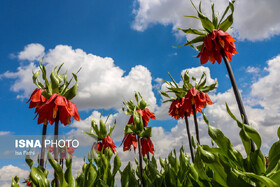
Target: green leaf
x,y
15,182
237,181
103,183
214,17
90,175
199,167
246,132
193,143
192,31
273,156
75,77
57,168
35,76
278,132
137,118
173,80
224,144
206,23
38,178
209,88
225,25
54,81
257,178
211,160
258,162
71,93
142,104
193,41
94,126
164,94
92,135
46,94
68,173
117,164
194,17
169,100
112,128
129,128
275,177
28,160
103,130
59,67
147,133
128,177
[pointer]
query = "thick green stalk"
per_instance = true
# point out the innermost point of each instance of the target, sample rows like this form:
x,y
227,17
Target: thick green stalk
x,y
237,94
196,124
189,135
140,161
56,146
44,132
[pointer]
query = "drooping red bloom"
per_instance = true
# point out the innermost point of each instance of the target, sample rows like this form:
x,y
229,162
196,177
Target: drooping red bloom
x,y
204,99
146,116
36,99
197,99
62,150
28,182
50,148
176,110
147,146
266,162
57,105
70,151
213,44
128,140
106,142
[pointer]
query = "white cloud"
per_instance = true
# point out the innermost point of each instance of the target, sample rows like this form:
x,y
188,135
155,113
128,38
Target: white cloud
x,y
267,88
3,133
32,52
9,171
251,69
23,80
5,184
254,26
101,83
96,84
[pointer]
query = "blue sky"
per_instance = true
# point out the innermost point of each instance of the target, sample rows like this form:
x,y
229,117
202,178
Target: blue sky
x,y
138,37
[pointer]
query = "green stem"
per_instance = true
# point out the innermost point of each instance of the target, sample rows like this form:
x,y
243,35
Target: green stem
x,y
196,124
140,161
56,147
189,136
44,132
237,94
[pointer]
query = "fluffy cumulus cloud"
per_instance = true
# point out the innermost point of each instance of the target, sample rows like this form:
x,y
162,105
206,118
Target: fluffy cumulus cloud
x,y
262,21
267,87
102,84
9,171
32,52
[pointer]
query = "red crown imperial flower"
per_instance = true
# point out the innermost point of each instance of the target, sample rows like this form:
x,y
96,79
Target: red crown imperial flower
x,y
214,44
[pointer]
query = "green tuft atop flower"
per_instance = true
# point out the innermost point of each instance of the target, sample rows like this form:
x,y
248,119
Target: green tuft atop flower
x,y
213,41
